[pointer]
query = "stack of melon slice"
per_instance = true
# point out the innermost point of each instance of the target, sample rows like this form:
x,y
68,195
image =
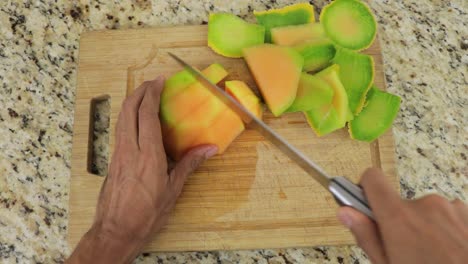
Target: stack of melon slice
x,y
299,65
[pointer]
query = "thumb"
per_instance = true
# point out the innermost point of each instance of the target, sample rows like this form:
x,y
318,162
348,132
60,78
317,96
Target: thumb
x,y
365,232
189,163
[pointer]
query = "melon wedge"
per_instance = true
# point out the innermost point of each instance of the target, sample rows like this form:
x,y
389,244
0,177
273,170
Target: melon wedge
x,y
349,24
292,35
244,95
277,70
317,54
329,118
312,93
357,76
229,34
376,117
296,14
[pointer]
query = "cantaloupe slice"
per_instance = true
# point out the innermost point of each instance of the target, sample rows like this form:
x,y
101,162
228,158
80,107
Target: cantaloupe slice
x,y
334,116
244,95
229,34
276,70
317,54
357,76
349,24
312,93
296,34
296,14
376,117
183,86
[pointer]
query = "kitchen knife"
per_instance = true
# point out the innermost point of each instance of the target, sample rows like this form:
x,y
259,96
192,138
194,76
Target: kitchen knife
x,y
344,191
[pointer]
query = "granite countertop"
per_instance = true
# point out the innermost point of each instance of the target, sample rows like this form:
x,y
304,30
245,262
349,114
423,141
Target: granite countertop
x,y
424,46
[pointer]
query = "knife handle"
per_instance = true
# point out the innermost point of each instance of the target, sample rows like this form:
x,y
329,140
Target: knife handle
x,y
350,194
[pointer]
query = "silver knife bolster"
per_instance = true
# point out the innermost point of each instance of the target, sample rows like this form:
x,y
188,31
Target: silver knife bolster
x,y
349,194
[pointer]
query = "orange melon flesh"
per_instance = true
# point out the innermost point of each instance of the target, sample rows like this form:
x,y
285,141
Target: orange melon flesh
x,y
244,95
180,80
222,132
277,71
292,35
180,102
221,129
194,116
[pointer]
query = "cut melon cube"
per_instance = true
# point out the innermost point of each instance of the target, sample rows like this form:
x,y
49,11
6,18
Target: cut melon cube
x,y
242,93
277,70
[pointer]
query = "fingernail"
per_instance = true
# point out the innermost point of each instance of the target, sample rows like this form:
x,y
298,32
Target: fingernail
x,y
345,218
211,152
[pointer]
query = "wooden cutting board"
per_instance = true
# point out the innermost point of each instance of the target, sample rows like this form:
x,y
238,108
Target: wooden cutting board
x,y
250,197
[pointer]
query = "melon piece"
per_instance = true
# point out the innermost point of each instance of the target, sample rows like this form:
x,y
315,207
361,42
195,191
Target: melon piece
x,y
331,117
277,70
302,13
292,35
244,95
312,93
228,34
349,24
180,80
210,123
317,54
323,120
357,76
184,86
193,115
226,128
376,117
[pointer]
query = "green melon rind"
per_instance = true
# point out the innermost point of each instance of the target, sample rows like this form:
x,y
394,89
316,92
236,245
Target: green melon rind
x,y
323,124
312,92
229,34
296,14
376,117
361,14
317,54
308,32
329,118
357,76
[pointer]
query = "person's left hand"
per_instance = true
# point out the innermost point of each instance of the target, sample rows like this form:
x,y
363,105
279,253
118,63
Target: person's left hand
x,y
139,192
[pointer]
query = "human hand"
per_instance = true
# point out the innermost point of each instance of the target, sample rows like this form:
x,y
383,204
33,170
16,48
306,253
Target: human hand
x,y
427,230
139,192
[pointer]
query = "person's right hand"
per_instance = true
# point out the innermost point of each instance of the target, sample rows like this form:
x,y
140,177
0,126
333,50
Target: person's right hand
x,y
428,230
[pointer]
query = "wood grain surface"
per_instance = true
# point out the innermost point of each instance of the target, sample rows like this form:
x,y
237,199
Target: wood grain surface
x,y
250,197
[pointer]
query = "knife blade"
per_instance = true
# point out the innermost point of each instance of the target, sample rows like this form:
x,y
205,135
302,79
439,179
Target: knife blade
x,y
344,191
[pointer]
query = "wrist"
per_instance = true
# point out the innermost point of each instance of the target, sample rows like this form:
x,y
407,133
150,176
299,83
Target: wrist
x,y
98,247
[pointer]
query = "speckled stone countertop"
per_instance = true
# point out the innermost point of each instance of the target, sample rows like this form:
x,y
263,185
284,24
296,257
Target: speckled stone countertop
x,y
424,45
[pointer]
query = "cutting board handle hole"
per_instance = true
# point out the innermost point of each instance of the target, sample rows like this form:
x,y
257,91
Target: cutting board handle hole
x,y
98,138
